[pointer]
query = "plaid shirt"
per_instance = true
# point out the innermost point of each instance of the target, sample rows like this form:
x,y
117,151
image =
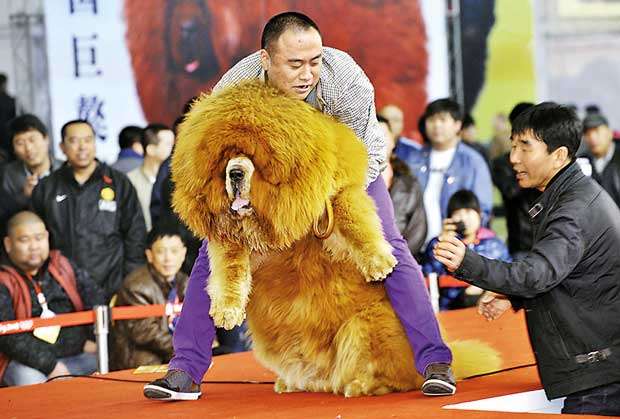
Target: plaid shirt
x,y
343,92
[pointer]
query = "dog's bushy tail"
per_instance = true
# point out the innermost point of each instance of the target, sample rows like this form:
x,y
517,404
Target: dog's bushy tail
x,y
473,357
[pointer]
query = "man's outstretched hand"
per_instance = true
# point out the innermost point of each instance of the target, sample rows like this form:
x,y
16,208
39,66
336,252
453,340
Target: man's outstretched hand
x,y
492,305
450,251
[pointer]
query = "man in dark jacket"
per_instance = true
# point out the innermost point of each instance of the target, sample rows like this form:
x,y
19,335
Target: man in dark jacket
x,y
568,282
603,154
92,211
149,341
35,282
18,178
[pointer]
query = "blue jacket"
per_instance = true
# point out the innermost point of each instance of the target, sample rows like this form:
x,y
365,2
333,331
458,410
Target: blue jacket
x,y
468,170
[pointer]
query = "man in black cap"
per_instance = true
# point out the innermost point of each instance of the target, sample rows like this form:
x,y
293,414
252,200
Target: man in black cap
x,y
603,154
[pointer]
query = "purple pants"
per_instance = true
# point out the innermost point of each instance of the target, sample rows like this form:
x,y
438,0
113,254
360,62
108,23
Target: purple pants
x,y
194,333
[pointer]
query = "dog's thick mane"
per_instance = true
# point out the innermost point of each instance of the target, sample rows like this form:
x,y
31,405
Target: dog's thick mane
x,y
291,180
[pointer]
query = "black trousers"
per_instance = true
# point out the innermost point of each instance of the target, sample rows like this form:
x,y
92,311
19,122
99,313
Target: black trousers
x,y
603,400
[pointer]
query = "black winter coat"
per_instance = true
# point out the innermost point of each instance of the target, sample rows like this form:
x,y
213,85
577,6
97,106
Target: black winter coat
x,y
99,225
569,284
408,200
12,181
610,178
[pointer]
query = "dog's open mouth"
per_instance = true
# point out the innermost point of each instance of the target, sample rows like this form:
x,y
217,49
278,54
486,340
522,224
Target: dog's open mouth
x,y
240,206
238,174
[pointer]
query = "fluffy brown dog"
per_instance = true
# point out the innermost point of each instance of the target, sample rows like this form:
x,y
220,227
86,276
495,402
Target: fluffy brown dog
x,y
255,173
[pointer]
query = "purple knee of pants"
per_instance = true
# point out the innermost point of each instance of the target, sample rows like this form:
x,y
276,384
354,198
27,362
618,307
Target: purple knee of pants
x,y
194,333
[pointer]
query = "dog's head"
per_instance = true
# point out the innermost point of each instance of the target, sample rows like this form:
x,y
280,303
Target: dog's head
x,y
254,166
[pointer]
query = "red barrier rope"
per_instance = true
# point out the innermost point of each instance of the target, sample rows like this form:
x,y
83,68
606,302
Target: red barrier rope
x,y
88,317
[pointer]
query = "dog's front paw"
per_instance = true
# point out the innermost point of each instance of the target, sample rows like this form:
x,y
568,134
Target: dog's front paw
x,y
226,315
379,265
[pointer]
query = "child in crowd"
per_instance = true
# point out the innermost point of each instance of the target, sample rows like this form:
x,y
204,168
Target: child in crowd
x,y
464,221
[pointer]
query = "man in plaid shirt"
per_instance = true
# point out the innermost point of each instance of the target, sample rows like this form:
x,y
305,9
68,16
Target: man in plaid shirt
x,y
293,59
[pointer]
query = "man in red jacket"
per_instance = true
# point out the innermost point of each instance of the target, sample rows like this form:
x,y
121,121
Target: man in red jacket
x,y
35,282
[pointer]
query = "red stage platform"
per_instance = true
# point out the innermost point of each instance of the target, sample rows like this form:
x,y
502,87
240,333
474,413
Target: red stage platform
x,y
237,387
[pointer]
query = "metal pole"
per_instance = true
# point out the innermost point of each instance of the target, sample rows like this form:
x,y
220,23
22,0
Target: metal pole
x,y
456,52
433,288
102,327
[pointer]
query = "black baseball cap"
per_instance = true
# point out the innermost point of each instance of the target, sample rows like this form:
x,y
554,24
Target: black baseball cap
x,y
594,120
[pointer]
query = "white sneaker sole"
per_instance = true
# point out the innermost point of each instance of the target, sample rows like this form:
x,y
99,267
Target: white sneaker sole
x,y
160,393
449,388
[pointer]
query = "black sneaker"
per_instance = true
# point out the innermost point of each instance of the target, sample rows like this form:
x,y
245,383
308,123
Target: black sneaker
x,y
175,385
439,380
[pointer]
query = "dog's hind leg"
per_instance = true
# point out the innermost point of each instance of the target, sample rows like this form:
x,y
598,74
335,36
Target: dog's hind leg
x,y
358,233
230,283
355,367
373,355
353,373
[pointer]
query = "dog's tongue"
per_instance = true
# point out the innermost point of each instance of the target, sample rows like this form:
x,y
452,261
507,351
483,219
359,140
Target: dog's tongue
x,y
239,203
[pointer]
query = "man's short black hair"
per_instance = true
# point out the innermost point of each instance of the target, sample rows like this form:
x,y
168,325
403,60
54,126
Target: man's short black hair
x,y
164,229
129,135
463,199
468,121
149,134
445,105
23,123
278,24
555,125
63,130
518,110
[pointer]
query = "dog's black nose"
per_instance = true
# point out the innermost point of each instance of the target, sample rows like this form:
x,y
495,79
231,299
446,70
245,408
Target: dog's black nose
x,y
236,175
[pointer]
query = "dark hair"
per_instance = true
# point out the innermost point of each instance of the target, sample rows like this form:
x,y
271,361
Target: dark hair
x,y
63,130
592,108
3,79
555,125
149,134
129,135
463,199
468,121
25,123
383,120
445,105
164,229
518,110
278,24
